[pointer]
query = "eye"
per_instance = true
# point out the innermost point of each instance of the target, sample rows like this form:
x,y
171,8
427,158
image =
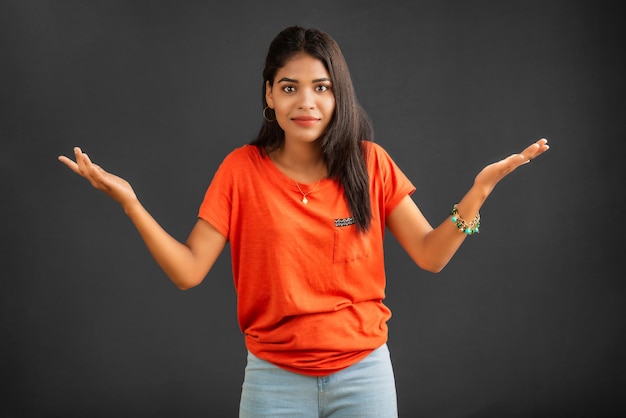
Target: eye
x,y
289,89
322,87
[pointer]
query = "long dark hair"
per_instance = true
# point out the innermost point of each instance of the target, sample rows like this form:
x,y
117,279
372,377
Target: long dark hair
x,y
342,143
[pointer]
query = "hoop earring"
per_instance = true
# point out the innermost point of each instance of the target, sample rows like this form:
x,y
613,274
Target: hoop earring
x,y
265,115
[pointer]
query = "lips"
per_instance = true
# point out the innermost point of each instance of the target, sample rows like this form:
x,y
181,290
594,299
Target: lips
x,y
306,120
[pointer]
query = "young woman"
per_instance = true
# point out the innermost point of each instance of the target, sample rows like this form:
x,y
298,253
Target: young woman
x,y
304,207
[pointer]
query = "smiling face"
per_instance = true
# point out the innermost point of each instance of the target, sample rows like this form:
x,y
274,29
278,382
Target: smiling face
x,y
302,98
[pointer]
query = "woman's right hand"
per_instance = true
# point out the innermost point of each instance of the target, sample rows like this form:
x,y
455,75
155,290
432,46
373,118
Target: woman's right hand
x,y
116,187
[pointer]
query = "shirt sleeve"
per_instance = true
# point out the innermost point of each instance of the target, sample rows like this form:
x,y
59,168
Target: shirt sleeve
x,y
395,183
216,207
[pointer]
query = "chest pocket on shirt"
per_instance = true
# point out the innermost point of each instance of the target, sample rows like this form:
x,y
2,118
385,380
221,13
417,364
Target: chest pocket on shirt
x,y
349,245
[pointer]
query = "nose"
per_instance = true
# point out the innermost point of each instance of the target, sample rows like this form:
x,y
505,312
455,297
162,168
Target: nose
x,y
307,99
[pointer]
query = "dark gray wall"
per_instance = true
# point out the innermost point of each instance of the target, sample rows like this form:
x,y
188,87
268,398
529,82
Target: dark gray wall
x,y
527,319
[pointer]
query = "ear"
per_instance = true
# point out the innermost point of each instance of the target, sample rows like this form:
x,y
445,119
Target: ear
x,y
268,95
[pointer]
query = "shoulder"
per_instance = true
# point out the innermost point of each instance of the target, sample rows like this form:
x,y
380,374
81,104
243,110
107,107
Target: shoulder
x,y
243,154
376,155
380,163
372,147
241,158
239,162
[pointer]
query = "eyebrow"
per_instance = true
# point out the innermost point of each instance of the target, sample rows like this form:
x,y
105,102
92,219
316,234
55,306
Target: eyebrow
x,y
291,80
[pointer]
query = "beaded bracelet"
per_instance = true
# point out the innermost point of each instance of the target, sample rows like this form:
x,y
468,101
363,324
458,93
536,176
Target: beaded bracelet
x,y
467,228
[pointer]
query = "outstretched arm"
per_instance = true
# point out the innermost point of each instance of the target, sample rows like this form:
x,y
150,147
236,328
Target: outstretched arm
x,y
187,263
432,249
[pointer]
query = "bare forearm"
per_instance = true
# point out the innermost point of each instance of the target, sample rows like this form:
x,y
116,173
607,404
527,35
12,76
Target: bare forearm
x,y
432,249
442,242
185,264
174,257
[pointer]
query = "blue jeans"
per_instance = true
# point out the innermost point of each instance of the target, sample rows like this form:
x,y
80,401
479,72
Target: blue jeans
x,y
365,389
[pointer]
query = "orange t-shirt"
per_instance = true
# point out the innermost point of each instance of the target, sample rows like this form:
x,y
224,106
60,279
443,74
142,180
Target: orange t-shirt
x,y
309,286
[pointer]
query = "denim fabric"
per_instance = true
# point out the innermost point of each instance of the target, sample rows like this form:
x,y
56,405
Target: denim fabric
x,y
365,389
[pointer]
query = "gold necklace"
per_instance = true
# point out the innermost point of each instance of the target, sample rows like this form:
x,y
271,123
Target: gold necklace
x,y
304,195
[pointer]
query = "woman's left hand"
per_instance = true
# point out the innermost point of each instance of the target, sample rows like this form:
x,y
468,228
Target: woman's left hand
x,y
493,173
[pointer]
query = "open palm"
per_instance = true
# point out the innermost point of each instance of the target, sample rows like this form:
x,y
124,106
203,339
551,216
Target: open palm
x,y
493,173
116,187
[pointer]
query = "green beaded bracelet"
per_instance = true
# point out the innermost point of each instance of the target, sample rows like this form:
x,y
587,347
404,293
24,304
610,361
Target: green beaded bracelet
x,y
467,228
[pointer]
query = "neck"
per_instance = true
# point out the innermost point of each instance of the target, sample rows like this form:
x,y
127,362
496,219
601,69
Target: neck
x,y
302,162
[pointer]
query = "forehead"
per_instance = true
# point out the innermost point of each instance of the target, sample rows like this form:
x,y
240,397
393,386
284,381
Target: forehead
x,y
302,67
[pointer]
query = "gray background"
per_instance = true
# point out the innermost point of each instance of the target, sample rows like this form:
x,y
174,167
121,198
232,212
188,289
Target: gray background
x,y
527,319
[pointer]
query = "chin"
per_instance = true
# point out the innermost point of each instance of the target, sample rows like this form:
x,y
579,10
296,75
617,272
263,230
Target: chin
x,y
304,138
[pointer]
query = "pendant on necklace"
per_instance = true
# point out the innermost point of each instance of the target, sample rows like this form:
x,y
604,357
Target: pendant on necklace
x,y
304,195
